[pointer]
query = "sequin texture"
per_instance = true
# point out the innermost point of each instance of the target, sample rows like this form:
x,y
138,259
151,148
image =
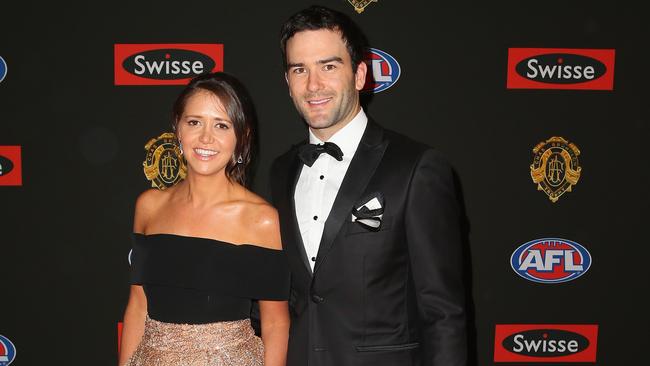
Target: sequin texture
x,y
230,343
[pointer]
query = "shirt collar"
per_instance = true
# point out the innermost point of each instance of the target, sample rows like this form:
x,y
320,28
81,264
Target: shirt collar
x,y
348,137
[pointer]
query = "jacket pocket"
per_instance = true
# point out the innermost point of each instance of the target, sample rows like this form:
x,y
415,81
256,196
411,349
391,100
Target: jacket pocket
x,y
388,347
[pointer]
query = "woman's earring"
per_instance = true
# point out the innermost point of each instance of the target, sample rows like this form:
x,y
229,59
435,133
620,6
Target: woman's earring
x,y
240,160
180,147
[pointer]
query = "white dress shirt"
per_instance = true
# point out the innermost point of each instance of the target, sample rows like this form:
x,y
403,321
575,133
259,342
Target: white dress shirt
x,y
319,184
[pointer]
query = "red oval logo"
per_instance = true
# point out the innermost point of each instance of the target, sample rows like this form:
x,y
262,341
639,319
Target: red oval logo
x,y
168,64
561,68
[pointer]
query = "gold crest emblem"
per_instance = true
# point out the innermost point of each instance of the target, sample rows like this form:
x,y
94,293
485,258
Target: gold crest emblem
x,y
164,165
555,168
360,5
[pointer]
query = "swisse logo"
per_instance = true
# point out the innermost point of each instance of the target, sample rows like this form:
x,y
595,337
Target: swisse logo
x,y
10,166
550,260
6,166
562,68
383,71
168,64
557,68
545,343
165,64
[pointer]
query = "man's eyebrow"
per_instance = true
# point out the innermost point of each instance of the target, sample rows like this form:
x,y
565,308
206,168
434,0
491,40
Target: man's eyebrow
x,y
321,62
331,59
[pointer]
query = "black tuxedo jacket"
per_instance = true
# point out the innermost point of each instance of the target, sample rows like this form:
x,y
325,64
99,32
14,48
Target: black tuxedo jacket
x,y
388,297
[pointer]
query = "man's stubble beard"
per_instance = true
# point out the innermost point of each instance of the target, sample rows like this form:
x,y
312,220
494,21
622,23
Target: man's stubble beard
x,y
336,116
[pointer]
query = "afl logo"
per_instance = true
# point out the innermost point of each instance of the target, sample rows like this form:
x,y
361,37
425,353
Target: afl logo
x,y
550,260
7,351
3,69
383,71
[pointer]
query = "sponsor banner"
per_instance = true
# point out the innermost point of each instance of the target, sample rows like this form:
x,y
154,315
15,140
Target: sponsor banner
x,y
3,69
550,260
165,64
7,351
560,68
10,166
545,343
383,71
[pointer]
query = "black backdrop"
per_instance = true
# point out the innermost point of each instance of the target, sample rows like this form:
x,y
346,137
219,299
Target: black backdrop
x,y
65,233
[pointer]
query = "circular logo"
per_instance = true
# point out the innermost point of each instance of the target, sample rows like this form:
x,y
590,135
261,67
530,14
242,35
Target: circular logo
x,y
550,260
383,71
164,164
3,69
555,168
7,351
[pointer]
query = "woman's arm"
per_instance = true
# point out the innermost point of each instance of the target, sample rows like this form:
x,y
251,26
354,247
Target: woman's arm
x,y
275,331
133,329
274,315
136,308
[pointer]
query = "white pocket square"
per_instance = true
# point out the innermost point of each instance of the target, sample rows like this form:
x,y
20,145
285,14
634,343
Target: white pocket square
x,y
370,213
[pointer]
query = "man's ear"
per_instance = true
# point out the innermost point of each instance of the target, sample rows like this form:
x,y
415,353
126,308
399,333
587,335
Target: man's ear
x,y
360,75
286,78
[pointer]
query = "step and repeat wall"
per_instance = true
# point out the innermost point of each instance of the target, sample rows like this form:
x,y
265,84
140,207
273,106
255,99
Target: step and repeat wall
x,y
541,108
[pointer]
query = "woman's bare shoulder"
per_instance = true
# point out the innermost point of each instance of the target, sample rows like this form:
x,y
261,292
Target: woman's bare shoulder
x,y
146,206
263,221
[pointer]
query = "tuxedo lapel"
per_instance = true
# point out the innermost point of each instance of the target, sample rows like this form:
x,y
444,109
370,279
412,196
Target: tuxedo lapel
x,y
362,167
295,167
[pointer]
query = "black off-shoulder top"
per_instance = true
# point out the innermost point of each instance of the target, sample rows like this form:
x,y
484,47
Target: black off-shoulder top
x,y
198,280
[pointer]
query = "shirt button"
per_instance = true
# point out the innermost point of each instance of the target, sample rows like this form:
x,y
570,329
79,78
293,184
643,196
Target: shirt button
x,y
313,259
315,218
317,299
322,177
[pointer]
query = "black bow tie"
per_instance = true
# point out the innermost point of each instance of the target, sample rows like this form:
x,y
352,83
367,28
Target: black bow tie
x,y
308,153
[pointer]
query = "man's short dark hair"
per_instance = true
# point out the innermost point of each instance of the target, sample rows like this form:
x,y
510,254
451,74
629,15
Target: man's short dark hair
x,y
319,17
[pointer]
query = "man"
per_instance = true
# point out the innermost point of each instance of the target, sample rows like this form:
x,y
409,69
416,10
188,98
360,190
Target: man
x,y
369,218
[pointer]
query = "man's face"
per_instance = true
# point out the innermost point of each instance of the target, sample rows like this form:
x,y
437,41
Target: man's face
x,y
321,82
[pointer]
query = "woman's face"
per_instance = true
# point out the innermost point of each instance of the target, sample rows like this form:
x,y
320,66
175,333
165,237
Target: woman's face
x,y
206,134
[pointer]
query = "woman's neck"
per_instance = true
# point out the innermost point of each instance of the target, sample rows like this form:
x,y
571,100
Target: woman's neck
x,y
204,190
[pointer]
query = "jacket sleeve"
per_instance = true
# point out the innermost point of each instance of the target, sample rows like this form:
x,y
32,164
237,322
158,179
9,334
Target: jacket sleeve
x,y
435,243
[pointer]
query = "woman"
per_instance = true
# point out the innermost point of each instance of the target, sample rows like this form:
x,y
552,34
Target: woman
x,y
207,247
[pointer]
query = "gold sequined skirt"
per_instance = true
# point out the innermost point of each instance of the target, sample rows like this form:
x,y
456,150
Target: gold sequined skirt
x,y
231,343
